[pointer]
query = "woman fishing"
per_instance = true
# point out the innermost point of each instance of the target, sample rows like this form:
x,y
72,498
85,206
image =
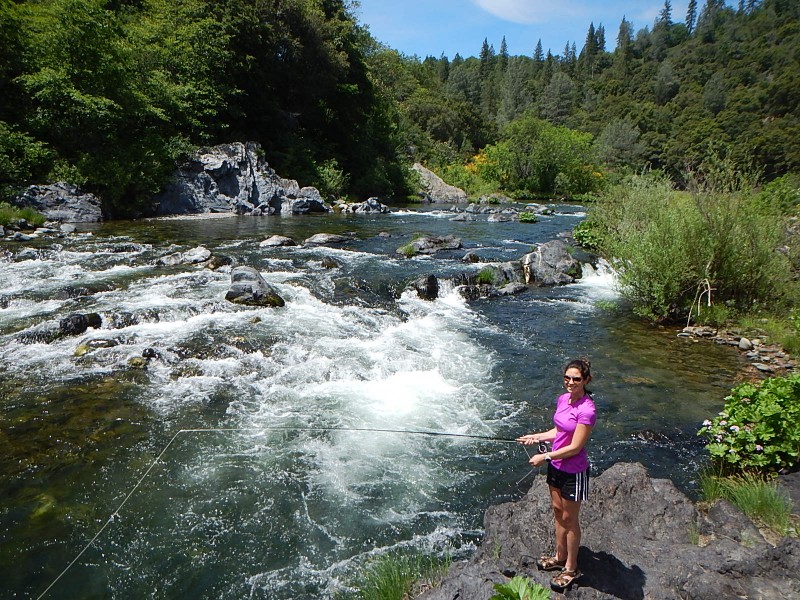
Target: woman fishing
x,y
567,469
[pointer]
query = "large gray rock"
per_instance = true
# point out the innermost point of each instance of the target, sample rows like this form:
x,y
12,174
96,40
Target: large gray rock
x,y
430,245
550,264
249,287
639,541
61,202
233,178
435,188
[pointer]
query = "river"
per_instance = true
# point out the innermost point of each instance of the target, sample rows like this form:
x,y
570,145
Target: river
x,y
285,487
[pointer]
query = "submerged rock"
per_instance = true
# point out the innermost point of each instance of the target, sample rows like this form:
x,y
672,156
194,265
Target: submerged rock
x,y
249,287
276,241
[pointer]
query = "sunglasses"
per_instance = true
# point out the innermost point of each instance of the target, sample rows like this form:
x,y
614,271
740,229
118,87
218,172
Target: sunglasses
x,y
567,378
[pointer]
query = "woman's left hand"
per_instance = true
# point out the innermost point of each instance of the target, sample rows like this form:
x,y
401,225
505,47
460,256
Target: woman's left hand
x,y
537,460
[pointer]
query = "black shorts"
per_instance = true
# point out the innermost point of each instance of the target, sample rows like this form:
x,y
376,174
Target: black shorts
x,y
572,486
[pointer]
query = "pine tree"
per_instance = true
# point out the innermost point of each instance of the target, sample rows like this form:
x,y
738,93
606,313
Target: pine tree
x,y
600,38
538,54
502,62
665,16
691,15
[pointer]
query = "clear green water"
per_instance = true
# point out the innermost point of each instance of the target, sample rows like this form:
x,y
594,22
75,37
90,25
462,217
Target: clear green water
x,y
262,512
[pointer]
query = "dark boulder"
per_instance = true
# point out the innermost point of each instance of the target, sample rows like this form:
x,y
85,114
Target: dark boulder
x,y
77,323
249,287
642,538
61,202
427,287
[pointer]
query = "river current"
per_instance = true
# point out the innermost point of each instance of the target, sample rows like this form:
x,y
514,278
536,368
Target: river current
x,y
286,480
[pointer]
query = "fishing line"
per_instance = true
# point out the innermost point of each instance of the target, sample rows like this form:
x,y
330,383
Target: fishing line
x,y
115,514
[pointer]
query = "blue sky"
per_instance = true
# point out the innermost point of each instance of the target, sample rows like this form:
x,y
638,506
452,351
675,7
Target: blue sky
x,y
433,27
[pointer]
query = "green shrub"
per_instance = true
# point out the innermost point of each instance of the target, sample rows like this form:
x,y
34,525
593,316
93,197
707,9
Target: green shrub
x,y
520,588
528,217
586,235
675,251
758,428
756,496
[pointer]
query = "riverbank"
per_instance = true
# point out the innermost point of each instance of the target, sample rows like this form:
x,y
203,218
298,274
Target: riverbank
x,y
642,538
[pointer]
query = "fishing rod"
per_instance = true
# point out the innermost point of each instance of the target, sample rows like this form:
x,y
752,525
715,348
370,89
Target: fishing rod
x,y
115,514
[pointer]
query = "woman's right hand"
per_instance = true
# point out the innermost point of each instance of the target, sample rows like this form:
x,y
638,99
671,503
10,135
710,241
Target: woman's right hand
x,y
529,439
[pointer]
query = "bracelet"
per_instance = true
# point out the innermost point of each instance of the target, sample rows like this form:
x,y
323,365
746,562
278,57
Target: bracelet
x,y
547,457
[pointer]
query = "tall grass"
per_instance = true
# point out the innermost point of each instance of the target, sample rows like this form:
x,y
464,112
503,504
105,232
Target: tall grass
x,y
396,577
758,497
10,214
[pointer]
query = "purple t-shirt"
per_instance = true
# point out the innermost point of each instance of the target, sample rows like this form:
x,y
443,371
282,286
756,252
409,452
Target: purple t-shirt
x,y
567,418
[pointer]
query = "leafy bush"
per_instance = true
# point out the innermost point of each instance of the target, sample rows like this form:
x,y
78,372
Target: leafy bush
x,y
520,588
528,217
586,235
758,428
675,251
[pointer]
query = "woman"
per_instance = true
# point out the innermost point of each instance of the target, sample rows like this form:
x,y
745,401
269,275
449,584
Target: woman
x,y
567,469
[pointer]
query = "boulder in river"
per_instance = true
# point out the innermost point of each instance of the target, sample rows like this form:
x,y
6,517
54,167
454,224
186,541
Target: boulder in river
x,y
324,239
642,538
435,189
249,287
427,287
194,256
77,323
430,245
276,241
550,264
62,202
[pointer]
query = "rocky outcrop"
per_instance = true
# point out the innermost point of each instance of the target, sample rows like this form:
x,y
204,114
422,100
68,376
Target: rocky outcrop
x,y
430,245
324,239
427,287
642,538
370,206
62,202
435,189
550,264
249,287
234,178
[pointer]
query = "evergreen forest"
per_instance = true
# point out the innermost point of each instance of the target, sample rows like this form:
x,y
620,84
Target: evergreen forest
x,y
108,94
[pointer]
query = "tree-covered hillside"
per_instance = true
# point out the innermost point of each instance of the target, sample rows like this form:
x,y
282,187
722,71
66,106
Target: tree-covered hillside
x,y
109,93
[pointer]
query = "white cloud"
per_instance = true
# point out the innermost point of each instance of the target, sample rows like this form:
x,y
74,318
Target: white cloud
x,y
528,12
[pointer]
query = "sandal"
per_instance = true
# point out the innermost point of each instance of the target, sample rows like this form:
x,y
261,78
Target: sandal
x,y
550,563
564,580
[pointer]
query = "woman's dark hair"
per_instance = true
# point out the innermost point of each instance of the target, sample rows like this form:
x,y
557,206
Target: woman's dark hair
x,y
584,366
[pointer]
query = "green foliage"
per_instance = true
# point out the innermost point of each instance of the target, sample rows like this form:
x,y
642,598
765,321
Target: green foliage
x,y
395,577
758,497
758,428
586,235
331,180
676,251
528,217
520,588
408,250
486,276
11,214
537,157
